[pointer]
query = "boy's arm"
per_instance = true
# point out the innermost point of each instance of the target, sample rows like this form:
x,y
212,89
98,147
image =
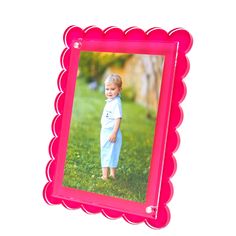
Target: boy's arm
x,y
112,137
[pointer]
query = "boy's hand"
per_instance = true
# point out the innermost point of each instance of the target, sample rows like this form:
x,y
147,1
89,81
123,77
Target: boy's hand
x,y
112,138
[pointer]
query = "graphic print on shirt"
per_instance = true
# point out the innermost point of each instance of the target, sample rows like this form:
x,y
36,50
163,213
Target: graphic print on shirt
x,y
108,114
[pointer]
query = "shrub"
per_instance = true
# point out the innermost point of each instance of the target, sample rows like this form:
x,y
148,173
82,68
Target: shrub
x,y
128,94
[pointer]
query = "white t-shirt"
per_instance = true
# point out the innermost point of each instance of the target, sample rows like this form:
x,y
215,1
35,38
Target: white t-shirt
x,y
111,111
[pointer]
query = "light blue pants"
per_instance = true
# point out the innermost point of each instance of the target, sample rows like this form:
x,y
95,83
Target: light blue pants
x,y
110,152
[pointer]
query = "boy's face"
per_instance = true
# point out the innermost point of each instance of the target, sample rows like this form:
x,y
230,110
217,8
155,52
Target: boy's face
x,y
111,90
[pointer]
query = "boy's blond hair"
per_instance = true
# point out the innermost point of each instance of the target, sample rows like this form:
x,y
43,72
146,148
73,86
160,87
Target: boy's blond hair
x,y
114,78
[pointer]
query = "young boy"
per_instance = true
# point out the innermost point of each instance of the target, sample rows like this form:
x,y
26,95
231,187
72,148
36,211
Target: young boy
x,y
110,136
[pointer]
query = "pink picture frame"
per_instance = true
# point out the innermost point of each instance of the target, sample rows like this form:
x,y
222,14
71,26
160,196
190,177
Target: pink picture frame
x,y
155,41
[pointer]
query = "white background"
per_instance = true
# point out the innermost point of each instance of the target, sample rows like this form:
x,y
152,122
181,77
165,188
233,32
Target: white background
x,y
30,48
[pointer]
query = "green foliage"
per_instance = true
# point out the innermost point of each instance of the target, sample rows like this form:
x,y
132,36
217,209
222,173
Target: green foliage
x,y
128,94
92,65
83,170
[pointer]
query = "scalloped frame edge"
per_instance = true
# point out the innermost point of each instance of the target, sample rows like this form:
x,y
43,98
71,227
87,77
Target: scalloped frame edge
x,y
182,66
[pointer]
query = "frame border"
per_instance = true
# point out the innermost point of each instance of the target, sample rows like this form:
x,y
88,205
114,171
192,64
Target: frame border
x,y
153,35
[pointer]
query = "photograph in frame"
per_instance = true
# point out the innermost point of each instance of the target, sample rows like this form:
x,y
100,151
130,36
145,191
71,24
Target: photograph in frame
x,y
141,77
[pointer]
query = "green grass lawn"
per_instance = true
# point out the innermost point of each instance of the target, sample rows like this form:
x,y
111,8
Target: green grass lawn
x,y
83,169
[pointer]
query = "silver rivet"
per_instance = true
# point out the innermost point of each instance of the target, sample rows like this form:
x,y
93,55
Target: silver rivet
x,y
149,210
76,45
